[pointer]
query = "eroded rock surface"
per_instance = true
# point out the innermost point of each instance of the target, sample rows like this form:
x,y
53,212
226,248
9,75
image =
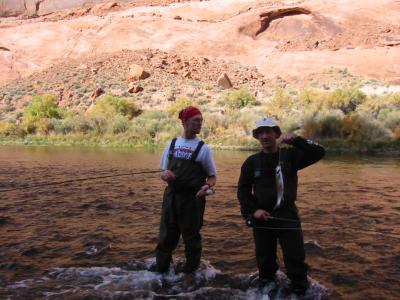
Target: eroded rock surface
x,y
289,39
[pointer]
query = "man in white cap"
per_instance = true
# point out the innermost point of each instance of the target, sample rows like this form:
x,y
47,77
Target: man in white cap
x,y
267,193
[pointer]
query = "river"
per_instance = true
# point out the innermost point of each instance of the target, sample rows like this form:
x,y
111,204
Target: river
x,y
95,239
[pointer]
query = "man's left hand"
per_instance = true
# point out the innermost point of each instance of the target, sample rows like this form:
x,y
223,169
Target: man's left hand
x,y
203,191
287,138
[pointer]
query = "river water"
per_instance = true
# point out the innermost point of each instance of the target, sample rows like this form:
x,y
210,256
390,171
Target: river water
x,y
95,239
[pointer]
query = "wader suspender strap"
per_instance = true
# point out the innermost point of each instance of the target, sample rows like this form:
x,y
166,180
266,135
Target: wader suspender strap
x,y
171,149
257,166
194,155
196,152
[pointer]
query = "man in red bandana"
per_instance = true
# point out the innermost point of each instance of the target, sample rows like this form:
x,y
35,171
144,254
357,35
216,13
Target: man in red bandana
x,y
190,173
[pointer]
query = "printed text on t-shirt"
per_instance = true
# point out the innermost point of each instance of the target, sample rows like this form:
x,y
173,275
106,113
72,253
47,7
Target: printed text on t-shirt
x,y
183,153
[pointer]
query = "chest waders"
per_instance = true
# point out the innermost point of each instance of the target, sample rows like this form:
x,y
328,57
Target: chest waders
x,y
291,241
182,212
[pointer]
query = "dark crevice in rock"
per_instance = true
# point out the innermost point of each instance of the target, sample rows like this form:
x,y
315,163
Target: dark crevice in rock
x,y
255,28
37,6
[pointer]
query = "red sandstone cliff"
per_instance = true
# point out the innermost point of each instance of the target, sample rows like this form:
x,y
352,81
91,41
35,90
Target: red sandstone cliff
x,y
290,39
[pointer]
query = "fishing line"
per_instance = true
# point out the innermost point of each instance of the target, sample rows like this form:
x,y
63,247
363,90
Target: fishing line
x,y
366,231
77,180
277,228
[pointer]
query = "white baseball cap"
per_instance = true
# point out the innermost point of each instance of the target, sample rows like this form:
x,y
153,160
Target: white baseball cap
x,y
267,122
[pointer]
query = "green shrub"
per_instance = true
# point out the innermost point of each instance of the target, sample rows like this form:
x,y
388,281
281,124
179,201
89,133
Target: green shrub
x,y
155,126
98,123
346,99
212,123
237,99
390,118
359,128
11,129
43,106
29,127
375,104
43,126
330,127
38,113
280,105
311,100
323,124
110,106
352,127
245,121
81,124
119,124
290,124
63,126
178,105
310,126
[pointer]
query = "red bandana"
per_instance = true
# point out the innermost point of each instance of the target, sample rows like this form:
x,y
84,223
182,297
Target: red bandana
x,y
189,112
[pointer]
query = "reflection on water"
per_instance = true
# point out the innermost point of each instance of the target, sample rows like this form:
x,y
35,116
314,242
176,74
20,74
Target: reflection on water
x,y
112,222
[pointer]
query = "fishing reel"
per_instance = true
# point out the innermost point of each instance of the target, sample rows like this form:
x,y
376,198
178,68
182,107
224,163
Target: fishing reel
x,y
250,221
205,193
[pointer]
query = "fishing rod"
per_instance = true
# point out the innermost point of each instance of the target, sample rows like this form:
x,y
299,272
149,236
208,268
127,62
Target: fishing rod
x,y
366,231
77,180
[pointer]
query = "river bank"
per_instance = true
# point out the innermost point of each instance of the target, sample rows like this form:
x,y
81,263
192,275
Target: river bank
x,y
388,148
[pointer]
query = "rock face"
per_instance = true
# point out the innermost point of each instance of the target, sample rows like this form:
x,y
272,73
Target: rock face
x,y
103,7
289,39
74,81
13,8
40,7
263,20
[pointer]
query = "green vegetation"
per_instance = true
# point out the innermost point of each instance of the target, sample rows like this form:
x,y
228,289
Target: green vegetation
x,y
39,113
177,106
109,106
238,98
342,119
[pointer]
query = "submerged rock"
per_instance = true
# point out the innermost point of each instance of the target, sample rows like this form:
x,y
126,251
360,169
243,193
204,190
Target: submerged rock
x,y
4,220
92,251
8,266
313,248
341,279
32,251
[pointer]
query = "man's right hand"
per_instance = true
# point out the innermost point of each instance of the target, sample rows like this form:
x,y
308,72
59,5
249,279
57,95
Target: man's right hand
x,y
261,214
168,176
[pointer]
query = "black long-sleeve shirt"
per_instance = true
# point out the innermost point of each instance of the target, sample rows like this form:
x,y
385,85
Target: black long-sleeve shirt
x,y
302,154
